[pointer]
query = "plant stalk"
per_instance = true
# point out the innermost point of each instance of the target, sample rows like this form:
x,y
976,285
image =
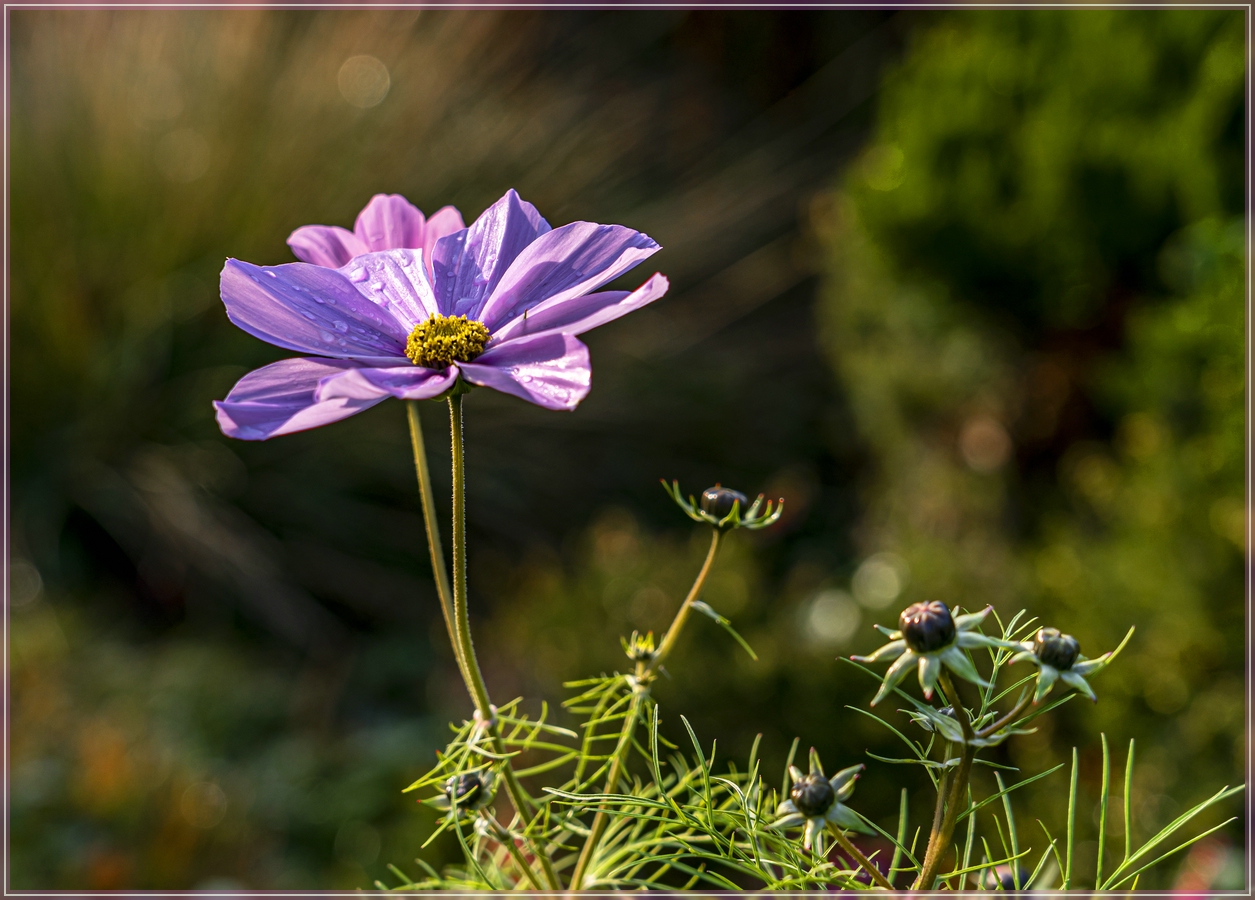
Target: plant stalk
x,y
644,675
940,842
438,571
862,860
461,619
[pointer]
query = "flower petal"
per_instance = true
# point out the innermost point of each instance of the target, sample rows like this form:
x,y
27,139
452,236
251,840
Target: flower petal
x,y
847,819
843,781
813,827
309,309
397,281
406,382
550,370
1045,681
891,650
786,808
563,265
575,316
1079,683
929,673
325,245
281,398
442,223
792,820
895,674
969,639
971,620
795,774
389,222
468,264
958,662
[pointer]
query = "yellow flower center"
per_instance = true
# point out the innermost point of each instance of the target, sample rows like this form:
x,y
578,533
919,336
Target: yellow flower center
x,y
443,340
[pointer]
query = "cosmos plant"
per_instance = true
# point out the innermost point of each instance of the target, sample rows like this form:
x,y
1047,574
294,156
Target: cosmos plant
x,y
426,309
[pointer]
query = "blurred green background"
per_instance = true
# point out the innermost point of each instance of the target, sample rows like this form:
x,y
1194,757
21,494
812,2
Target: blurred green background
x,y
967,289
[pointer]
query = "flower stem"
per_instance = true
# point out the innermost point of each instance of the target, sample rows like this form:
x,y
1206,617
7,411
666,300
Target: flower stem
x,y
640,691
862,860
438,571
939,842
507,841
677,624
461,618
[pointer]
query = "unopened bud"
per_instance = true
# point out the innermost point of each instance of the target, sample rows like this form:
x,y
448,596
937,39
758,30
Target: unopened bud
x,y
718,501
1056,649
927,626
812,795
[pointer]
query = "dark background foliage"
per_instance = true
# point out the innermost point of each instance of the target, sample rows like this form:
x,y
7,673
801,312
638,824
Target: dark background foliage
x,y
965,289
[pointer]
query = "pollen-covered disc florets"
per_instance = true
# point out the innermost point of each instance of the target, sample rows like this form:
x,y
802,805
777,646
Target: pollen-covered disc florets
x,y
443,340
1056,649
812,795
927,626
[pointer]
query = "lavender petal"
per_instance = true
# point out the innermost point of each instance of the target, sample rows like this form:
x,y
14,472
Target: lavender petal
x,y
551,370
580,314
310,309
280,399
564,264
397,282
325,245
467,265
407,382
389,222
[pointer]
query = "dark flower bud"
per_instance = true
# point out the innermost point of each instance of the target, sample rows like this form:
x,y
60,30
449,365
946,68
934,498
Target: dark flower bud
x,y
1056,649
468,791
927,626
718,501
812,795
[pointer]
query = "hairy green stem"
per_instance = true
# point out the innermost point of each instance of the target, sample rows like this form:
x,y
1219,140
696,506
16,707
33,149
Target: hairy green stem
x,y
862,860
640,691
939,843
461,619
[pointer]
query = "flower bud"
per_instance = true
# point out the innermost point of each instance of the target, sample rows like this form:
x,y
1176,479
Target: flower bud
x,y
468,791
927,626
812,795
718,501
1002,878
1056,649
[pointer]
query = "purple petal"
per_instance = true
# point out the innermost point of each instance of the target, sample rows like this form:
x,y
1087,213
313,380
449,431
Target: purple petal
x,y
389,222
280,398
325,245
550,370
408,382
443,222
580,314
468,264
563,264
310,309
397,282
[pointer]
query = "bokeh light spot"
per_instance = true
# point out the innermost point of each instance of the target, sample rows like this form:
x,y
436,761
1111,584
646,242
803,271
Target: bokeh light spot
x,y
879,580
203,804
363,81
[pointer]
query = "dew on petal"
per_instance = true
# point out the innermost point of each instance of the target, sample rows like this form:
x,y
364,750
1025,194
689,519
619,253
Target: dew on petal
x,y
342,342
273,275
341,327
358,274
326,336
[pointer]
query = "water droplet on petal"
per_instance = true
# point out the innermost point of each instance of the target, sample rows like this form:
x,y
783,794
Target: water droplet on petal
x,y
359,274
341,327
325,335
342,342
273,275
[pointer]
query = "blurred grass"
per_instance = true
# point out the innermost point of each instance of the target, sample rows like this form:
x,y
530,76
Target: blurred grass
x,y
1020,381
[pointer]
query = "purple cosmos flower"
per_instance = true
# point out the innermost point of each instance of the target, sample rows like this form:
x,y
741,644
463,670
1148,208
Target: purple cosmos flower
x,y
501,308
388,222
